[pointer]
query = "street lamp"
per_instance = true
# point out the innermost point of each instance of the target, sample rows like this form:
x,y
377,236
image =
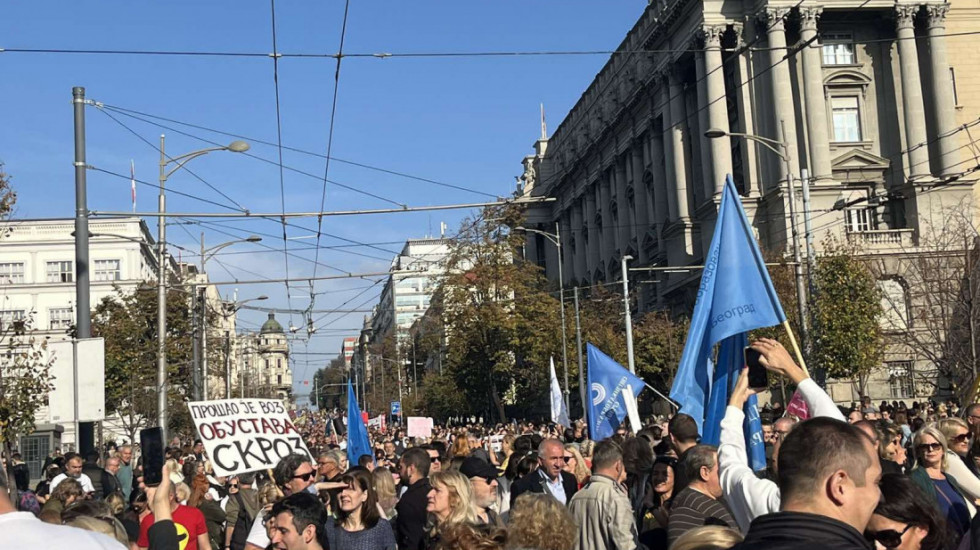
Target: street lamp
x,y
180,161
555,239
782,150
202,371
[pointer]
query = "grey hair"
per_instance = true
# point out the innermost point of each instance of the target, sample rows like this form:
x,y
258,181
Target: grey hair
x,y
544,445
697,457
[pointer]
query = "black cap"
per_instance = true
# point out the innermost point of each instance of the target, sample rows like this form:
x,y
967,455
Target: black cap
x,y
477,467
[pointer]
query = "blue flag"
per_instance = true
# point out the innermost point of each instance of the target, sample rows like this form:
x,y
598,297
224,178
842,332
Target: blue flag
x,y
358,443
607,379
735,296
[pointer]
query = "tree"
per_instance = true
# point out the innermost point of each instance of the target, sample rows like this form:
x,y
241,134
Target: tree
x,y
328,384
25,383
846,333
8,197
128,323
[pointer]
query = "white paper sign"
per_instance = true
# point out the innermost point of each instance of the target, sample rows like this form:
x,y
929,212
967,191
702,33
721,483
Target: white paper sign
x,y
419,426
245,435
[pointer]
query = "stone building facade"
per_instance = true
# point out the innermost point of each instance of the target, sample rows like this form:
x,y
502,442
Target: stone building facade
x,y
862,93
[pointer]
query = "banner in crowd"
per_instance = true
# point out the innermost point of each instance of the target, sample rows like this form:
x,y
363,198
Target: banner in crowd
x,y
608,381
358,443
735,296
419,426
378,422
559,414
246,435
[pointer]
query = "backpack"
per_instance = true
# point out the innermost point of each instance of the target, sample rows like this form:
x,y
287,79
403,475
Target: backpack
x,y
27,502
243,524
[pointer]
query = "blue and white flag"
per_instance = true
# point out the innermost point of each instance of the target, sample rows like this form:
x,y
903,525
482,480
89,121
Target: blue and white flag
x,y
559,414
735,296
607,380
358,443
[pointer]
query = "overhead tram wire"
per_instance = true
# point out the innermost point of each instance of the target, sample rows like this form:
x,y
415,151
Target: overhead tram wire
x,y
330,132
282,184
141,116
128,178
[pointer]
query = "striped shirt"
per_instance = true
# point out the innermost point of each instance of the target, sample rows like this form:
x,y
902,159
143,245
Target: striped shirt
x,y
691,509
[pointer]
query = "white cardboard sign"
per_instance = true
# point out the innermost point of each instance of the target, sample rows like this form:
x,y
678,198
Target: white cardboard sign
x,y
245,435
419,426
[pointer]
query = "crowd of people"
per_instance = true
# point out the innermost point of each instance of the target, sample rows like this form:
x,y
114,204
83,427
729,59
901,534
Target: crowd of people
x,y
896,476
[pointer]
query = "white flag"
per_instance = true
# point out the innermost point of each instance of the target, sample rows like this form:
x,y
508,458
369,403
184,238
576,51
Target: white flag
x,y
559,415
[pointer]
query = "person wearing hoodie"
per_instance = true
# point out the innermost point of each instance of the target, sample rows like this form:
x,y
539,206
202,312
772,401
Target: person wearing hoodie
x,y
828,474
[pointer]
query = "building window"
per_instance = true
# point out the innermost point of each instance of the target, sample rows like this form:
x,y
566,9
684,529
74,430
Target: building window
x,y
59,318
12,273
279,379
10,316
861,219
838,49
107,270
894,305
847,118
60,272
900,379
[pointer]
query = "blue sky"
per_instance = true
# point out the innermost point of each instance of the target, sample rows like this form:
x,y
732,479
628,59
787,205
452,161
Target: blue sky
x,y
467,121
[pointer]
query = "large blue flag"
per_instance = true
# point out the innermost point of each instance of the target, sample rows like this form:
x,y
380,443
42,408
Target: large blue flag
x,y
607,406
358,443
735,296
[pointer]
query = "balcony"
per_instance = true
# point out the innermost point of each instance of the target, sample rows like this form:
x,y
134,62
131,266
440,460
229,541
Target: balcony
x,y
882,239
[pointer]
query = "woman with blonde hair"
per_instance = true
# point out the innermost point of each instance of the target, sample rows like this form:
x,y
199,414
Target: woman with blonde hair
x,y
384,485
940,486
539,521
957,434
450,502
707,537
575,465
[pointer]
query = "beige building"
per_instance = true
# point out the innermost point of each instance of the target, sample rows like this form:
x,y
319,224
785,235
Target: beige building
x,y
873,101
263,362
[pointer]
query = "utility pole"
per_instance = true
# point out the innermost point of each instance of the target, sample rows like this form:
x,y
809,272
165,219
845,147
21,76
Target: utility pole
x,y
162,296
578,348
629,321
196,347
316,391
227,365
202,300
798,264
561,299
83,309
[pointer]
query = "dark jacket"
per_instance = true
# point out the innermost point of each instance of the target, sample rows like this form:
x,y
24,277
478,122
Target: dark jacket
x,y
412,517
921,478
110,484
94,472
800,531
533,482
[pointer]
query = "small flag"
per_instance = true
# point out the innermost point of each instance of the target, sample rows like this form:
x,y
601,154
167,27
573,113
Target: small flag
x,y
132,181
607,381
559,415
358,443
798,407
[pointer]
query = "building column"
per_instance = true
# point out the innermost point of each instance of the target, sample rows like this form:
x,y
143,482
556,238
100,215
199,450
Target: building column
x,y
625,223
608,244
942,90
704,144
782,91
657,202
567,251
818,138
640,197
678,134
581,268
592,253
720,148
912,104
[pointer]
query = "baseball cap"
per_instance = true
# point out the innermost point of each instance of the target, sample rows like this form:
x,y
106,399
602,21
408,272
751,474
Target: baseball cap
x,y
477,467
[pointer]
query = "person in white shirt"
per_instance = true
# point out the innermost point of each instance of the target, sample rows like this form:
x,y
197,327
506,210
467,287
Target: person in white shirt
x,y
73,469
24,530
747,495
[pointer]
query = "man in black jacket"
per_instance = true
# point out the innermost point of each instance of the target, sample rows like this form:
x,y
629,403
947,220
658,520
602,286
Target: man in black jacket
x,y
828,474
92,469
410,522
110,483
549,477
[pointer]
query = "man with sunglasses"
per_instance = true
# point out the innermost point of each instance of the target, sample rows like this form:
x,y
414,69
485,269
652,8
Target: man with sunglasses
x,y
828,476
293,474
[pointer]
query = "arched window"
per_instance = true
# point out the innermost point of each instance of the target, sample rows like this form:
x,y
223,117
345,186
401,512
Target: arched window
x,y
894,305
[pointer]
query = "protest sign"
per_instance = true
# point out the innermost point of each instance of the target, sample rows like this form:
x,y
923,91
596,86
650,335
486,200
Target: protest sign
x,y
419,426
244,435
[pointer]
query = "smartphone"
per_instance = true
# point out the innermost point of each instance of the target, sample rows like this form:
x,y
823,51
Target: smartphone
x,y
151,443
758,377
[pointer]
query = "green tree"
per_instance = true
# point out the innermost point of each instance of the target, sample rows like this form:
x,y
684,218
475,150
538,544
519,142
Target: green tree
x,y
8,197
328,384
846,333
128,323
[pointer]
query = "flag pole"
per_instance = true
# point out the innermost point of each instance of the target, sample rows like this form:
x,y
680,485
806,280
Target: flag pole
x,y
669,400
796,347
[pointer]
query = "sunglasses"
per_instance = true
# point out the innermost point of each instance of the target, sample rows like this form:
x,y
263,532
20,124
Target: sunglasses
x,y
962,438
927,447
233,485
305,477
567,459
889,538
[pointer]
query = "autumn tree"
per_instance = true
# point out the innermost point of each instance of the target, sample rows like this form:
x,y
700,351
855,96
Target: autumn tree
x,y
128,323
847,340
